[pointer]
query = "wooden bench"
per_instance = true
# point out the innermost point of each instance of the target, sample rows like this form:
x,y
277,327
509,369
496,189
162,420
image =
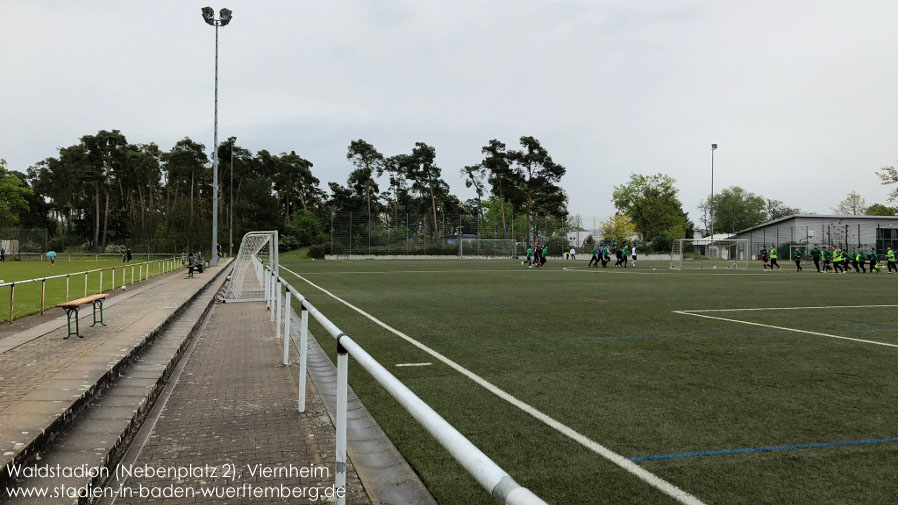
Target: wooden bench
x,y
72,307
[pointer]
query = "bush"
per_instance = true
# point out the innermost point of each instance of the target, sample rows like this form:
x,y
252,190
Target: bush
x,y
57,244
304,229
318,251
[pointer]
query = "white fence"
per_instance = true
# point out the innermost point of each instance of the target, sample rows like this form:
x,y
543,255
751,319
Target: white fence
x,y
278,297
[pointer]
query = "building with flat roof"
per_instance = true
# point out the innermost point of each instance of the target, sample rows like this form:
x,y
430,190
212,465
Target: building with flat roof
x,y
805,230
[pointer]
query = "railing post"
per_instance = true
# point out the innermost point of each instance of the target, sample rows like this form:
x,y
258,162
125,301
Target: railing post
x,y
43,293
342,391
303,346
265,279
272,283
132,274
139,271
85,283
286,328
113,278
12,297
67,288
277,306
101,282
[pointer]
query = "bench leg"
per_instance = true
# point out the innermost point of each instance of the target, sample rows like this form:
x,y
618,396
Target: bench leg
x,y
68,314
96,304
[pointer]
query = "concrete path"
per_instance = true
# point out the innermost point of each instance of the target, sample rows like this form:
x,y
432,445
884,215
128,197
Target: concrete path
x,y
232,416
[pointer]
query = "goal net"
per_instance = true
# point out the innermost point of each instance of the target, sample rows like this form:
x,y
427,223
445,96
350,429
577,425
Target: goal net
x,y
490,247
707,253
258,249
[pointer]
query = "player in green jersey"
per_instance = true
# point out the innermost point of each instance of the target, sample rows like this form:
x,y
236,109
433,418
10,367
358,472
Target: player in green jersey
x,y
890,258
529,256
827,257
815,255
873,259
797,257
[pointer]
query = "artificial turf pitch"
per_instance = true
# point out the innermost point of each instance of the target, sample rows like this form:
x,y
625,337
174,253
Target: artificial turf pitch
x,y
726,411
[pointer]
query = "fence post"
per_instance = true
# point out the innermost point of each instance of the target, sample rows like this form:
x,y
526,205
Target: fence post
x,y
277,303
101,282
303,346
12,297
113,278
67,287
85,283
273,294
43,293
286,329
342,391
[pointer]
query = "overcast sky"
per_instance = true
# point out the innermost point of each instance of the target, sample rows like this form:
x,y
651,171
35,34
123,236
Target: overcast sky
x,y
800,95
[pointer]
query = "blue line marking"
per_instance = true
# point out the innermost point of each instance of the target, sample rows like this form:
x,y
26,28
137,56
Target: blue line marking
x,y
765,449
496,305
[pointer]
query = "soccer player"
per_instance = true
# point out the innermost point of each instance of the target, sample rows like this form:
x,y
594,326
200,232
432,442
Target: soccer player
x,y
623,255
595,256
530,255
837,260
827,258
815,255
634,256
764,257
852,259
617,257
890,258
573,252
545,255
797,257
773,256
606,257
861,259
873,260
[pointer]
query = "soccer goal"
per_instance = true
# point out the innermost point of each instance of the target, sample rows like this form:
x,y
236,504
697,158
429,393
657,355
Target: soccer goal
x,y
488,247
707,253
258,249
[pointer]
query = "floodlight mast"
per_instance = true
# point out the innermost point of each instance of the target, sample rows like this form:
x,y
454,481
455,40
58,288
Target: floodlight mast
x,y
224,17
713,148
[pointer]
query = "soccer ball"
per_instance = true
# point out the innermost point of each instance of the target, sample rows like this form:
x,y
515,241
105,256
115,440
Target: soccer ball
x,y
530,267
653,268
124,288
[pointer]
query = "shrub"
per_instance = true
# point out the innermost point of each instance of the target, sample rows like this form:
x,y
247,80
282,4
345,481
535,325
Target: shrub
x,y
318,251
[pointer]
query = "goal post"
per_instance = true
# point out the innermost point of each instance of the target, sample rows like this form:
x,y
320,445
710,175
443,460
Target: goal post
x,y
709,254
258,249
487,247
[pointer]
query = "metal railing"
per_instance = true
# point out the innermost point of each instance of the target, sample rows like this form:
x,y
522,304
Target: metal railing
x,y
278,298
144,270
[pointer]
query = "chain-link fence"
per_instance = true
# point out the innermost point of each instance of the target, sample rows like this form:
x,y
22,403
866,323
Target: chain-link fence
x,y
443,235
15,242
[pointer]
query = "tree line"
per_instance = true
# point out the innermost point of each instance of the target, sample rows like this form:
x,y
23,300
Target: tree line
x,y
106,191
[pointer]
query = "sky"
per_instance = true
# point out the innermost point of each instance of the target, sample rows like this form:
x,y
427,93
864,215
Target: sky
x,y
800,96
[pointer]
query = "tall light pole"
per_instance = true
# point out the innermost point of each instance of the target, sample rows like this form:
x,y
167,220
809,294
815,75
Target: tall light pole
x,y
232,140
713,148
224,17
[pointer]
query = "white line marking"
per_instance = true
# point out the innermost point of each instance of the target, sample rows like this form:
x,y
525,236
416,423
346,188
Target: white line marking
x,y
414,364
785,329
643,474
792,308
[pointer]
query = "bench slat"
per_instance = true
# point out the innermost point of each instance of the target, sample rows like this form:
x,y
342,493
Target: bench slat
x,y
81,301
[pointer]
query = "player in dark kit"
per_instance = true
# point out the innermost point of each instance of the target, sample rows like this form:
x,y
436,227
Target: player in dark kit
x,y
797,257
815,255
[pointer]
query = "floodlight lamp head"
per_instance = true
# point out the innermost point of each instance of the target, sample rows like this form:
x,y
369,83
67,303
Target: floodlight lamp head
x,y
713,146
224,16
209,15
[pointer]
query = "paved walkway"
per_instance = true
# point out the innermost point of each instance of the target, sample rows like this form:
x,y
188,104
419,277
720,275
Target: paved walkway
x,y
45,380
234,409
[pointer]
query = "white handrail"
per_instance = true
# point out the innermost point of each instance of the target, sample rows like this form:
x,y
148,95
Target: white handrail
x,y
484,470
